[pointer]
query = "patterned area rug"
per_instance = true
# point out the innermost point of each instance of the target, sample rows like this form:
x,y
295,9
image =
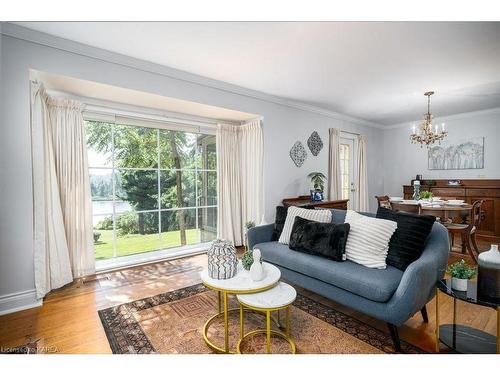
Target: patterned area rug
x,y
173,322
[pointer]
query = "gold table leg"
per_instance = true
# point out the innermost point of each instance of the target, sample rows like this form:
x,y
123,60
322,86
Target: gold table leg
x,y
268,328
226,324
219,302
287,330
437,320
242,322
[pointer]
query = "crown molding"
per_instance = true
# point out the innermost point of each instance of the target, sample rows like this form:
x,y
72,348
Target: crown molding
x,y
457,116
33,36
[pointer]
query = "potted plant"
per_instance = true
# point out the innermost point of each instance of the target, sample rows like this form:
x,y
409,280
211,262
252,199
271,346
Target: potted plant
x,y
460,272
426,195
318,184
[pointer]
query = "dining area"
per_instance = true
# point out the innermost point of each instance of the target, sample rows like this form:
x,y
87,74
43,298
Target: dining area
x,y
461,218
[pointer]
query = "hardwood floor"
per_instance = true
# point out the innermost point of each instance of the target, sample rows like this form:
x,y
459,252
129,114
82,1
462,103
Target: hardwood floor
x,y
68,321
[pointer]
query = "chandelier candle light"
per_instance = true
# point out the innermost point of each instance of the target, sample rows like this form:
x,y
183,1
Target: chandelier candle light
x,y
427,133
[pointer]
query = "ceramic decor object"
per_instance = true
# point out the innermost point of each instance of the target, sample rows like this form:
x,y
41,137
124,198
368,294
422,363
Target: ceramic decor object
x,y
256,269
488,279
222,261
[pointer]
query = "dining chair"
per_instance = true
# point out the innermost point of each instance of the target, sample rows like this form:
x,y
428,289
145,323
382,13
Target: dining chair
x,y
468,231
383,201
405,207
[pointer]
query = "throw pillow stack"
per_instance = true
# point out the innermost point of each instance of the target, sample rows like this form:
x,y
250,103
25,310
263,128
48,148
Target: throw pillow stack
x,y
393,238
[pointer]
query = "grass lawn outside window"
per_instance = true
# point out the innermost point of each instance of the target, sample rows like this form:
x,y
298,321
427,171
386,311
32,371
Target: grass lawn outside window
x,y
140,243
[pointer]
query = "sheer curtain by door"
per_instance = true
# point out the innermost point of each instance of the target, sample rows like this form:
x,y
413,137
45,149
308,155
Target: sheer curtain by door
x,y
334,177
63,239
362,197
239,178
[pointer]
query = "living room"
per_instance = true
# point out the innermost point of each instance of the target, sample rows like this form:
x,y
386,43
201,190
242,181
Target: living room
x,y
250,187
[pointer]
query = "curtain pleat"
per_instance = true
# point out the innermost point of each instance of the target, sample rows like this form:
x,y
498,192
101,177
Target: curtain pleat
x,y
334,177
362,198
239,178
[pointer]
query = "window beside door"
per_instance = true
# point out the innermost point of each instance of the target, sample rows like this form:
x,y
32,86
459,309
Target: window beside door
x,y
151,188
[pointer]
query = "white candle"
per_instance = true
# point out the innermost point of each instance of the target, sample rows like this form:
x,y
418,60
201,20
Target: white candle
x,y
442,126
414,130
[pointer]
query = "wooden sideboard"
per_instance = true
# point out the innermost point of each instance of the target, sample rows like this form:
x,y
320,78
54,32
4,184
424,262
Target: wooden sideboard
x,y
305,202
470,191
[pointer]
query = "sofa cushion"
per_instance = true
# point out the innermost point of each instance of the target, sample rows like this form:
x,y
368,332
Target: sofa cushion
x,y
322,216
374,284
322,239
279,222
407,243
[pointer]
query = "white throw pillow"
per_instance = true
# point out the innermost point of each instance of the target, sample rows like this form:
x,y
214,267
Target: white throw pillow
x,y
322,216
368,239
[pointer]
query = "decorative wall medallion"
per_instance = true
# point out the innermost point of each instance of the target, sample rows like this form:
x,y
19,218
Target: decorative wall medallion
x,y
298,153
315,143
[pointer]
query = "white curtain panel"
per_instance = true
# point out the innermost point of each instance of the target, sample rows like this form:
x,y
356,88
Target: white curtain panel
x,y
239,178
251,159
70,156
51,256
334,178
62,225
362,198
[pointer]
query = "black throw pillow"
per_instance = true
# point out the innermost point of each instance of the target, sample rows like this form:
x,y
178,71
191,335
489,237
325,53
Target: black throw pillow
x,y
279,222
408,241
323,239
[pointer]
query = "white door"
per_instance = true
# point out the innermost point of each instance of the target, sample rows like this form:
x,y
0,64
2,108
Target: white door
x,y
348,144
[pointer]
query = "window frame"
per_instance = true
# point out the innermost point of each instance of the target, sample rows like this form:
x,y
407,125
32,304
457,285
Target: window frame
x,y
158,126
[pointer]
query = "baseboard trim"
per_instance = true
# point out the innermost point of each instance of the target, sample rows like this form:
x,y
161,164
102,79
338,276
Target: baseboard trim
x,y
10,303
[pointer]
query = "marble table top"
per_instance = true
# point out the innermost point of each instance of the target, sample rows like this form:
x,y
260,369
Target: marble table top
x,y
241,282
280,296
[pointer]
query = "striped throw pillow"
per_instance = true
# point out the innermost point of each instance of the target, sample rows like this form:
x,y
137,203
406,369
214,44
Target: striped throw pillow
x,y
322,216
368,240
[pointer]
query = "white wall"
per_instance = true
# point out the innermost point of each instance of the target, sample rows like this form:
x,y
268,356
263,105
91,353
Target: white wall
x,y
403,161
283,125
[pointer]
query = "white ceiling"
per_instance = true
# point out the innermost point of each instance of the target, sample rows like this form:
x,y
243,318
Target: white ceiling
x,y
376,71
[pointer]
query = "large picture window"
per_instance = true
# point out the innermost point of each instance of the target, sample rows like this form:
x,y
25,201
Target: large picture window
x,y
151,188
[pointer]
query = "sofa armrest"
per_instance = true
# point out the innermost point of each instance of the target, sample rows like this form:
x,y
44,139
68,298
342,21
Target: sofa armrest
x,y
418,283
259,234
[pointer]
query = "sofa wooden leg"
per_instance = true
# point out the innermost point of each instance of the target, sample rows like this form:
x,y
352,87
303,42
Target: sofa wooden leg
x,y
424,314
395,337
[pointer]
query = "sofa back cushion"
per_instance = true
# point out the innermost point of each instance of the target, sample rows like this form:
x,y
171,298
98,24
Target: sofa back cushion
x,y
322,216
368,240
407,243
279,222
323,239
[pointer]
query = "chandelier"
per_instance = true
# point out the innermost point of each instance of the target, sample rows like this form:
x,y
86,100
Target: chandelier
x,y
427,133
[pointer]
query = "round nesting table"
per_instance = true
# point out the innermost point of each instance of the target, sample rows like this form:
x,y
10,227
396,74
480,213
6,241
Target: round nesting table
x,y
461,338
240,284
278,298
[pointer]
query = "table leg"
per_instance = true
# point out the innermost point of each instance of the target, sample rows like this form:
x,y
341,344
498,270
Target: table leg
x,y
219,302
287,321
454,323
268,330
242,321
226,324
498,330
437,320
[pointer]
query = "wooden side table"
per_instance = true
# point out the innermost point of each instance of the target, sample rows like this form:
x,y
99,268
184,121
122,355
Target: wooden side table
x,y
276,299
461,338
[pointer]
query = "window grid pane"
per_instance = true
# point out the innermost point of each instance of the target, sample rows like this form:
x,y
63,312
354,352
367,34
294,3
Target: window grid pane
x,y
136,207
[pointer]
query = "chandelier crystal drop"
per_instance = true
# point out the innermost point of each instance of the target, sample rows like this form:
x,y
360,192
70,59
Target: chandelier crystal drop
x,y
428,133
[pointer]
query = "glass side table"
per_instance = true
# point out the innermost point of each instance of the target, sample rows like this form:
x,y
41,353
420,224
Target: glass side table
x,y
461,338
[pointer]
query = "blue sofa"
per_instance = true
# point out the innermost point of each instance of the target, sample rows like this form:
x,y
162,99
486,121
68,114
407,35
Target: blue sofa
x,y
390,295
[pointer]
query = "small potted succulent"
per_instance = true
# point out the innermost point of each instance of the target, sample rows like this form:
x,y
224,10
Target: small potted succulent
x,y
460,273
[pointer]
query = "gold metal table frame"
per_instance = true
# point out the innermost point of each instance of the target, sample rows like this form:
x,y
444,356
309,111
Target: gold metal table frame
x,y
223,310
268,331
